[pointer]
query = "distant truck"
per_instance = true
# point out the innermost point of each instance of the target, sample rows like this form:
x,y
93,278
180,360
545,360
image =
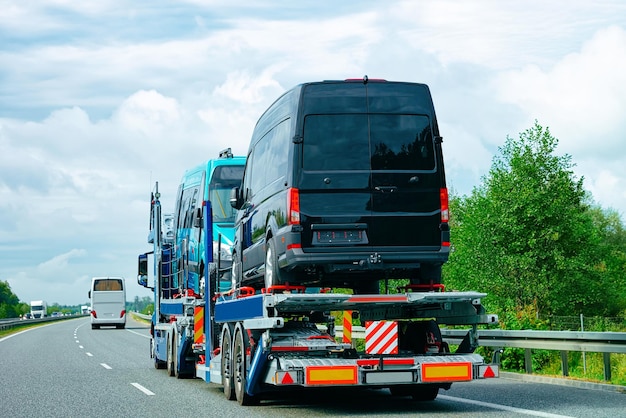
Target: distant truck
x,y
38,308
84,309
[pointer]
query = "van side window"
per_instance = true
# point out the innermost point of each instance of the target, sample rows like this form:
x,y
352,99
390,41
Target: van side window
x,y
279,150
271,164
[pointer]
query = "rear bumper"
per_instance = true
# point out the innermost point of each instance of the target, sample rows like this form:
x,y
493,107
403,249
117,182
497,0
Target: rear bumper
x,y
109,321
343,260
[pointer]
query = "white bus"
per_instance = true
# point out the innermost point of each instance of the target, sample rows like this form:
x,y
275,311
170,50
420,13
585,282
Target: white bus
x,y
108,302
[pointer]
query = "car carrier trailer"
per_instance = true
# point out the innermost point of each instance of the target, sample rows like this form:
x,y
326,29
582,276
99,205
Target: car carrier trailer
x,y
255,342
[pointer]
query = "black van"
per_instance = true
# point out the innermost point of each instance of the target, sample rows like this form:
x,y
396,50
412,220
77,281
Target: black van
x,y
344,186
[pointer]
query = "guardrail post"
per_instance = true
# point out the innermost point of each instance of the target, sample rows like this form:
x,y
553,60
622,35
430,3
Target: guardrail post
x,y
564,363
607,366
528,361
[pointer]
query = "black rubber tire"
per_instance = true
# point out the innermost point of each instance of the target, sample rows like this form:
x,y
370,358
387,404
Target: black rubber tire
x,y
240,368
273,274
226,350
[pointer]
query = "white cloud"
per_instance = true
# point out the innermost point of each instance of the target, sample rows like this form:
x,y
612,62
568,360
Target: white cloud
x,y
94,110
583,96
60,262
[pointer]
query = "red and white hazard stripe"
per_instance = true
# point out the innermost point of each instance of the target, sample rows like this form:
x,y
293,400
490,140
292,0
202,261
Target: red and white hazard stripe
x,y
381,337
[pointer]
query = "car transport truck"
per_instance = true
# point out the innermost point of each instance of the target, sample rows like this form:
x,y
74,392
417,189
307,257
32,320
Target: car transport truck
x,y
254,341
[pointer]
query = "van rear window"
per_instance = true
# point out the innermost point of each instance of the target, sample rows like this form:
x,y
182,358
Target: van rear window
x,y
367,142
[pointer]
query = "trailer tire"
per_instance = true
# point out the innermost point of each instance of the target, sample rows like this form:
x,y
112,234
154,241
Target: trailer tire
x,y
240,368
226,350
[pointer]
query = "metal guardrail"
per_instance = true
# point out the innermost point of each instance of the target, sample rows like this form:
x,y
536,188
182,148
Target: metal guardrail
x,y
6,324
563,341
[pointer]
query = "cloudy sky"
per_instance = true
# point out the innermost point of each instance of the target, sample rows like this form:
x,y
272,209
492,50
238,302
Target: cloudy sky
x,y
100,99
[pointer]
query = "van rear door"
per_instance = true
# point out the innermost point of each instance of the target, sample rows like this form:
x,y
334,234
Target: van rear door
x,y
370,175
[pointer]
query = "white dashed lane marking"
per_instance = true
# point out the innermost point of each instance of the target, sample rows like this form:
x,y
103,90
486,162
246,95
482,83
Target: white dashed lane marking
x,y
143,389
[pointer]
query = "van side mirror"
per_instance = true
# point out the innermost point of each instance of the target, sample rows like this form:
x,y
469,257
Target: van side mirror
x,y
236,200
142,270
89,294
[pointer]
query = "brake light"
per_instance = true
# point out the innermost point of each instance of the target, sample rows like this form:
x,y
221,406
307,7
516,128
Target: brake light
x,y
93,313
293,206
445,210
122,313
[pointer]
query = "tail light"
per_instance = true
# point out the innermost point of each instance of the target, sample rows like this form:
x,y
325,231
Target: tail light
x,y
445,210
93,313
293,206
122,313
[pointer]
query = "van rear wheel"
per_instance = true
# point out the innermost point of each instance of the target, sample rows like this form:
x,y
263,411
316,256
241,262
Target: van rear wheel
x,y
273,274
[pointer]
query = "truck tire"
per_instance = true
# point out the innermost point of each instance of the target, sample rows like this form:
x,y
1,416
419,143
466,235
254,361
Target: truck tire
x,y
240,367
226,350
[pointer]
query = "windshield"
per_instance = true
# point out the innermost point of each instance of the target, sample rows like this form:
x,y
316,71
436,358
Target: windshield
x,y
224,178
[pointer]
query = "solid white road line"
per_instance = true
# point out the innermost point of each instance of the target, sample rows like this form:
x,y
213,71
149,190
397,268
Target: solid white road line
x,y
138,333
503,407
144,390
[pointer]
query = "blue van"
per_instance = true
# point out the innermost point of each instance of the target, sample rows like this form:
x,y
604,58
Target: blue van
x,y
212,180
344,186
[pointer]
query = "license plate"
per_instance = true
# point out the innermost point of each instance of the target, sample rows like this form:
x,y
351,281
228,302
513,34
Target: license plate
x,y
339,237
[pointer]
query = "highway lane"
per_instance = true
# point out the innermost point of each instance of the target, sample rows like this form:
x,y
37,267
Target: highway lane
x,y
66,369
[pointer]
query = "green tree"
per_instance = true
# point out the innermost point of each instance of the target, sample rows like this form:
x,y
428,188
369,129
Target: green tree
x,y
527,237
9,303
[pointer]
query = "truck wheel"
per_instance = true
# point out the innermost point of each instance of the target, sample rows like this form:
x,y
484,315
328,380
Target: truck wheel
x,y
240,368
226,349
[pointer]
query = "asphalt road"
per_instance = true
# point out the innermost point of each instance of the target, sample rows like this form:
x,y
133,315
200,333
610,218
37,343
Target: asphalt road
x,y
66,369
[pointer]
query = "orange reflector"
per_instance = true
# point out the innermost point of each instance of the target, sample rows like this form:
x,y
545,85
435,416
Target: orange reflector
x,y
450,372
331,375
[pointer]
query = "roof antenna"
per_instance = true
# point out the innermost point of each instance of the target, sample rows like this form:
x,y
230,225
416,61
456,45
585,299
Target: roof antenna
x,y
365,79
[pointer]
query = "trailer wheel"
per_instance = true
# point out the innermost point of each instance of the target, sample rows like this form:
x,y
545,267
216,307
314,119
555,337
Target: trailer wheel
x,y
226,350
240,368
